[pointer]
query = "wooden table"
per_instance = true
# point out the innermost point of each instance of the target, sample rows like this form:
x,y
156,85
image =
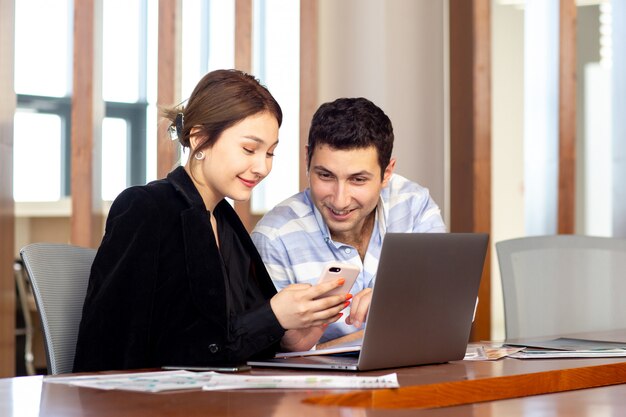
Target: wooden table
x,y
30,396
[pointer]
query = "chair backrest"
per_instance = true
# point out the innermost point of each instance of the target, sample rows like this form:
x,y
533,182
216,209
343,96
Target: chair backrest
x,y
59,275
561,284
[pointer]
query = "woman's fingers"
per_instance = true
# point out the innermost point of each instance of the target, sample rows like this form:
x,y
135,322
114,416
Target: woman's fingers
x,y
327,321
334,313
297,287
321,289
296,307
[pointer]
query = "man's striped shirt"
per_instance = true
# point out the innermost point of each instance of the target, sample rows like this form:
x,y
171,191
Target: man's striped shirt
x,y
295,243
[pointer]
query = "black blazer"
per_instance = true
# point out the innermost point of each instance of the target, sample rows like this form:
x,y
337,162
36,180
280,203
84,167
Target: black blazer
x,y
157,290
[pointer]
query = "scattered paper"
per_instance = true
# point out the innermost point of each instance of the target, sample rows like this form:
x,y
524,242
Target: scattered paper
x,y
144,381
555,354
213,381
230,382
489,353
566,343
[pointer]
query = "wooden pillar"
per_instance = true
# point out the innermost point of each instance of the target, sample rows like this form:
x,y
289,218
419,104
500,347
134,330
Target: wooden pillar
x,y
169,80
243,35
567,117
470,134
7,206
87,114
308,77
243,62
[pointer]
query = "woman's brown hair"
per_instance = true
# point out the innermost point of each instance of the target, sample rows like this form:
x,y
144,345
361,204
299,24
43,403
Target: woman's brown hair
x,y
221,99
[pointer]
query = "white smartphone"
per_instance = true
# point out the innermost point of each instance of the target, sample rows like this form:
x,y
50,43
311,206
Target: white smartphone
x,y
335,270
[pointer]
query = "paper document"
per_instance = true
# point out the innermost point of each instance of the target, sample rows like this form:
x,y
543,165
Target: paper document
x,y
230,382
488,353
213,381
565,343
554,354
144,381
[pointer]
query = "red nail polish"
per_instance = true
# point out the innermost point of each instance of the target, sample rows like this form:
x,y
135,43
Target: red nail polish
x,y
348,296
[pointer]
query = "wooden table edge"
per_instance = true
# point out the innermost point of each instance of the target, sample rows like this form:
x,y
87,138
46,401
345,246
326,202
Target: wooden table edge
x,y
446,394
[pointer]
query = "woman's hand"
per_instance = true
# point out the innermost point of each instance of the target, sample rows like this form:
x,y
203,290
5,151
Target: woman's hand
x,y
295,306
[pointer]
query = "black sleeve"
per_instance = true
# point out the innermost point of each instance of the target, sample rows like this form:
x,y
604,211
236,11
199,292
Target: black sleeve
x,y
255,333
114,331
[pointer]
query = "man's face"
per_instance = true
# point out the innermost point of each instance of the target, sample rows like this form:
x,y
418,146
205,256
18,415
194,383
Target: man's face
x,y
345,186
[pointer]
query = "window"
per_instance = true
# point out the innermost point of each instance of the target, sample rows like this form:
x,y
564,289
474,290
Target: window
x,y
276,51
208,42
44,100
38,152
42,81
129,87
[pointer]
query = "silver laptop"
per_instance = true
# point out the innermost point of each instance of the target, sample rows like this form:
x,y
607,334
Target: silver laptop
x,y
422,305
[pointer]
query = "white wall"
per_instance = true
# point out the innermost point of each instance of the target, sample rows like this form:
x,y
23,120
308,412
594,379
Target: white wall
x,y
392,52
507,174
618,128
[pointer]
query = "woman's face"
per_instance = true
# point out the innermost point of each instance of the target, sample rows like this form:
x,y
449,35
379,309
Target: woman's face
x,y
240,158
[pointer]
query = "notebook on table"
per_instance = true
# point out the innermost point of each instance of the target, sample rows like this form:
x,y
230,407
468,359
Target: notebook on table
x,y
422,305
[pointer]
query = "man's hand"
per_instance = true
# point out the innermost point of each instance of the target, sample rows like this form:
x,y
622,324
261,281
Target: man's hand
x,y
359,308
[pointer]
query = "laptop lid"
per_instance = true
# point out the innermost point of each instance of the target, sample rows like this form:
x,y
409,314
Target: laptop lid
x,y
422,304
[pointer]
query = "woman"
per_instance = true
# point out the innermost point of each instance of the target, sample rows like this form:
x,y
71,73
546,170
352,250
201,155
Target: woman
x,y
177,280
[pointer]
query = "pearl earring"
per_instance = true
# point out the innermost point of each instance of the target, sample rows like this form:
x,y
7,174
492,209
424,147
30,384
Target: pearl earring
x,y
199,155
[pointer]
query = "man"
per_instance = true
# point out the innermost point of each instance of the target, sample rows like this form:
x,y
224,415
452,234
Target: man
x,y
353,199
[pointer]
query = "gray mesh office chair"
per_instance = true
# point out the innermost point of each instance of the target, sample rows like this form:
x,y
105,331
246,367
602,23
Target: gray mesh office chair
x,y
555,285
59,275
